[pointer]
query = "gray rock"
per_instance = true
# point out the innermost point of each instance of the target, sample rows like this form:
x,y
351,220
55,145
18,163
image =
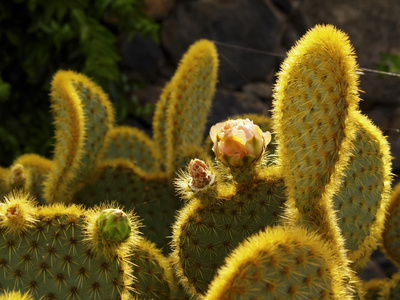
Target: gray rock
x,y
248,24
373,28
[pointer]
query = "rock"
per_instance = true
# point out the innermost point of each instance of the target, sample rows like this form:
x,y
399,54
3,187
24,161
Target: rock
x,y
142,56
227,104
158,9
252,24
373,28
261,90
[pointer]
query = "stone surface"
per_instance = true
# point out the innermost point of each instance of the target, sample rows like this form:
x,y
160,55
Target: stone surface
x,y
248,24
373,28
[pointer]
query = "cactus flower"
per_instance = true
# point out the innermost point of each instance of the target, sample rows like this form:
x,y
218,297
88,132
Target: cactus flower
x,y
114,225
200,176
238,142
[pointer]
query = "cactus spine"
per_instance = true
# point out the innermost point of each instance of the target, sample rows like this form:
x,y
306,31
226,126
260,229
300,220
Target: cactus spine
x,y
216,219
57,252
83,114
279,263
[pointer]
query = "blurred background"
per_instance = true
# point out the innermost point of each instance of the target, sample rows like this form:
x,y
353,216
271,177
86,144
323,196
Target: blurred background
x,y
131,48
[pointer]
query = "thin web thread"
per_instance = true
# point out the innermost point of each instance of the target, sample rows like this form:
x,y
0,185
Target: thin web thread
x,y
362,70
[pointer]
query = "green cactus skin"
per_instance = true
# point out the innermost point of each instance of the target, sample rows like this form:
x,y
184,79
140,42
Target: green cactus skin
x,y
151,195
32,170
133,144
391,232
217,219
362,199
390,289
82,114
315,100
153,272
186,100
114,225
57,255
374,288
279,263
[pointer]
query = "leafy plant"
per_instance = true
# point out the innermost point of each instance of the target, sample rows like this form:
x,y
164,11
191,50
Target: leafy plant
x,y
38,37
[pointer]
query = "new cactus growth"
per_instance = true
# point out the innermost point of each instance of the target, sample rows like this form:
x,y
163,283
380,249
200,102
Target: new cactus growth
x,y
83,114
114,225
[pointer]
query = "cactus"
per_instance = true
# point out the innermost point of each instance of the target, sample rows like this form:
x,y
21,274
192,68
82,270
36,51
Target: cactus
x,y
375,287
391,233
55,251
141,183
28,172
82,114
279,263
14,295
216,219
362,199
153,272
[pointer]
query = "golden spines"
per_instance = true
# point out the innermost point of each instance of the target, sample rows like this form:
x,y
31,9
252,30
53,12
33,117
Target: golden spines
x,y
362,200
82,114
280,262
315,98
17,213
190,93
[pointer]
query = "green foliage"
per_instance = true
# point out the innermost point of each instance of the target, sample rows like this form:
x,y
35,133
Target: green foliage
x,y
389,62
39,37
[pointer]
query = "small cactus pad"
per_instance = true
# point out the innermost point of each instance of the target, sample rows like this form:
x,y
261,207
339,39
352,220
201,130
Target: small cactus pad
x,y
82,114
279,263
209,227
36,169
391,232
390,288
114,225
189,95
375,287
362,199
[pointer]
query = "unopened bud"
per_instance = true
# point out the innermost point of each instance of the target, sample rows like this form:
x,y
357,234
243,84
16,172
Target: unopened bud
x,y
200,175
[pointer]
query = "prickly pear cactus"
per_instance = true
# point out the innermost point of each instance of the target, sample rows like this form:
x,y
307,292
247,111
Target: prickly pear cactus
x,y
391,233
279,263
57,251
14,295
235,202
83,114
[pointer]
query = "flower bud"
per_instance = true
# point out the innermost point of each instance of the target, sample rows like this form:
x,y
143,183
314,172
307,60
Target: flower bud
x,y
114,225
238,142
201,177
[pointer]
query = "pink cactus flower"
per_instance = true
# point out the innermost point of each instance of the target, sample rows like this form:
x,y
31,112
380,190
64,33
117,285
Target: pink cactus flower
x,y
238,142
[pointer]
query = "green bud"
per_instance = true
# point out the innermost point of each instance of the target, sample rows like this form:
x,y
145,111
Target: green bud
x,y
114,225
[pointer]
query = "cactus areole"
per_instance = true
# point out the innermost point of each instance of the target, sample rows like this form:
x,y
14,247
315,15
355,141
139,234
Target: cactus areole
x,y
238,142
114,225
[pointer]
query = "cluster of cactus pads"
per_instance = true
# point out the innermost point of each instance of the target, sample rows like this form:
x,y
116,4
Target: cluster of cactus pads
x,y
116,214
